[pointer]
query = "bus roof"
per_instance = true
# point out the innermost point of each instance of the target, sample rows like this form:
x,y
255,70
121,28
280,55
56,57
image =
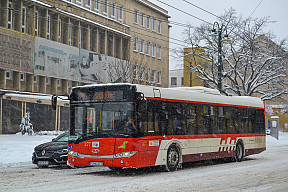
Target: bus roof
x,y
191,94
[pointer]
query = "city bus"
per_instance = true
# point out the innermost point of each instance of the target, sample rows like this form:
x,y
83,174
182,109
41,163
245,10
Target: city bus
x,y
133,126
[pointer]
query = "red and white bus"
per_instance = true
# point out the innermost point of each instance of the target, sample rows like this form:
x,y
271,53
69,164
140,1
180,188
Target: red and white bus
x,y
133,126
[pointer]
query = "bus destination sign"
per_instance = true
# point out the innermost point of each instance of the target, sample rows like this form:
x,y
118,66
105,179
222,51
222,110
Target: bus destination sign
x,y
100,96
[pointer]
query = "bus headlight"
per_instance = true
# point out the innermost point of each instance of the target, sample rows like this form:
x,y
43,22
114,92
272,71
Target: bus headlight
x,y
125,154
73,153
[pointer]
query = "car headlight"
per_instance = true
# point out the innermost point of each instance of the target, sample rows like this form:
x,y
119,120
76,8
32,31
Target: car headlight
x,y
73,153
125,154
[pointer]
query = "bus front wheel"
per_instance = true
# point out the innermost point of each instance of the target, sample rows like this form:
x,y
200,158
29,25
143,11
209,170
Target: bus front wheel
x,y
239,151
173,159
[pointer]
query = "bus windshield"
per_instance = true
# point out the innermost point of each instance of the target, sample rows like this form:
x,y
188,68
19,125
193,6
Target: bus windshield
x,y
102,120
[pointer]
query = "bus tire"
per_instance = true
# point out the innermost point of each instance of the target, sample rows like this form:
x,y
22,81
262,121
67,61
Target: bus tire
x,y
173,159
239,153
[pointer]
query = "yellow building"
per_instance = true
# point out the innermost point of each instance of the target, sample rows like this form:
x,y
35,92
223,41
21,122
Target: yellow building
x,y
191,77
280,111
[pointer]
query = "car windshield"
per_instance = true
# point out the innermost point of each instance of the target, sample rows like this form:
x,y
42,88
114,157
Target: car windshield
x,y
103,120
62,137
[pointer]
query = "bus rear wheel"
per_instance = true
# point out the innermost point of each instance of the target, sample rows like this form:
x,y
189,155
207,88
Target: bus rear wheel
x,y
173,159
239,151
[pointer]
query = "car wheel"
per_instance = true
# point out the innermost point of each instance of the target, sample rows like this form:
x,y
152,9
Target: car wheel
x,y
173,159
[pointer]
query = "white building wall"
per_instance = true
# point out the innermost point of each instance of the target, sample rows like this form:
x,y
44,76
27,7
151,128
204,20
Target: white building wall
x,y
178,74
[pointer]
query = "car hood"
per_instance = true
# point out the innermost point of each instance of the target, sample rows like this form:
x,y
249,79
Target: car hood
x,y
51,146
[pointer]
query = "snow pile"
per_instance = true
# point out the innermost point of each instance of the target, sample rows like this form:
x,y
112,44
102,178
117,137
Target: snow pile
x,y
16,150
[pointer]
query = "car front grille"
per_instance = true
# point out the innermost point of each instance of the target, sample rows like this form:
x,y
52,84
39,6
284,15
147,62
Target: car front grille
x,y
46,154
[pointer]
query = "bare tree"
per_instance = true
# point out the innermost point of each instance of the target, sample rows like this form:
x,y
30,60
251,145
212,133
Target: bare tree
x,y
252,62
125,71
119,71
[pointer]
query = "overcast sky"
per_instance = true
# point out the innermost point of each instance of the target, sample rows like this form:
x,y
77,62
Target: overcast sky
x,y
276,9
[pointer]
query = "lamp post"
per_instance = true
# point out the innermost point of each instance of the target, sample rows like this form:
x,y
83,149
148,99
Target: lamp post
x,y
217,31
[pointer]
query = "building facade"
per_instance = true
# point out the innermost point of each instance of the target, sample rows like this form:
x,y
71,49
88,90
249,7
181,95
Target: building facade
x,y
48,47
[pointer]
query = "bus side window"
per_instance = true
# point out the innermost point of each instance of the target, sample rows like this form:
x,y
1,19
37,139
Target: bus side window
x,y
200,120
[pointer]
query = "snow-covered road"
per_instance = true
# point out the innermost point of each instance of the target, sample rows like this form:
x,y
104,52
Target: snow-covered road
x,y
267,171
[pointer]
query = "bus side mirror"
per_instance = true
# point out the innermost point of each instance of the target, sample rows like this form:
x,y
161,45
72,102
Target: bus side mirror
x,y
54,102
140,96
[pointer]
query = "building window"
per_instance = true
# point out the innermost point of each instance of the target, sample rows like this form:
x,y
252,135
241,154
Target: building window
x,y
79,2
147,75
60,31
142,19
8,75
148,22
10,15
153,24
105,7
88,4
159,27
147,48
36,23
159,77
136,44
135,72
22,77
153,50
142,46
96,5
153,75
113,10
141,73
58,82
159,52
35,79
136,16
48,27
48,80
24,21
182,81
120,14
69,84
173,81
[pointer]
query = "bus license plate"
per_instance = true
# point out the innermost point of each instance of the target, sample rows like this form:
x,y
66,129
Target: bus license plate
x,y
96,163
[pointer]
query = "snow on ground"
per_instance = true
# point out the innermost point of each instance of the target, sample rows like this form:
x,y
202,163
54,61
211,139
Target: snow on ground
x,y
16,150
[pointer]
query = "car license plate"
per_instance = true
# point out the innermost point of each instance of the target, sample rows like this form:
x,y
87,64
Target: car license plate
x,y
96,163
43,162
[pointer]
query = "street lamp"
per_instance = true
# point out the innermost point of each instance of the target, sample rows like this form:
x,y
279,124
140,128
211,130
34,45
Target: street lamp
x,y
217,31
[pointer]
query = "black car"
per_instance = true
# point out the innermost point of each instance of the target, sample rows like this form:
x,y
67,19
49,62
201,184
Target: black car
x,y
51,153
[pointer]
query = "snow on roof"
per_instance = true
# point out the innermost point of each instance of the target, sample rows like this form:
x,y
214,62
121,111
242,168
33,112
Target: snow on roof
x,y
41,3
191,94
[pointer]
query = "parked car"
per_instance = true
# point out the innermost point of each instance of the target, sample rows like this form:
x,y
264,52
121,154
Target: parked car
x,y
52,153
